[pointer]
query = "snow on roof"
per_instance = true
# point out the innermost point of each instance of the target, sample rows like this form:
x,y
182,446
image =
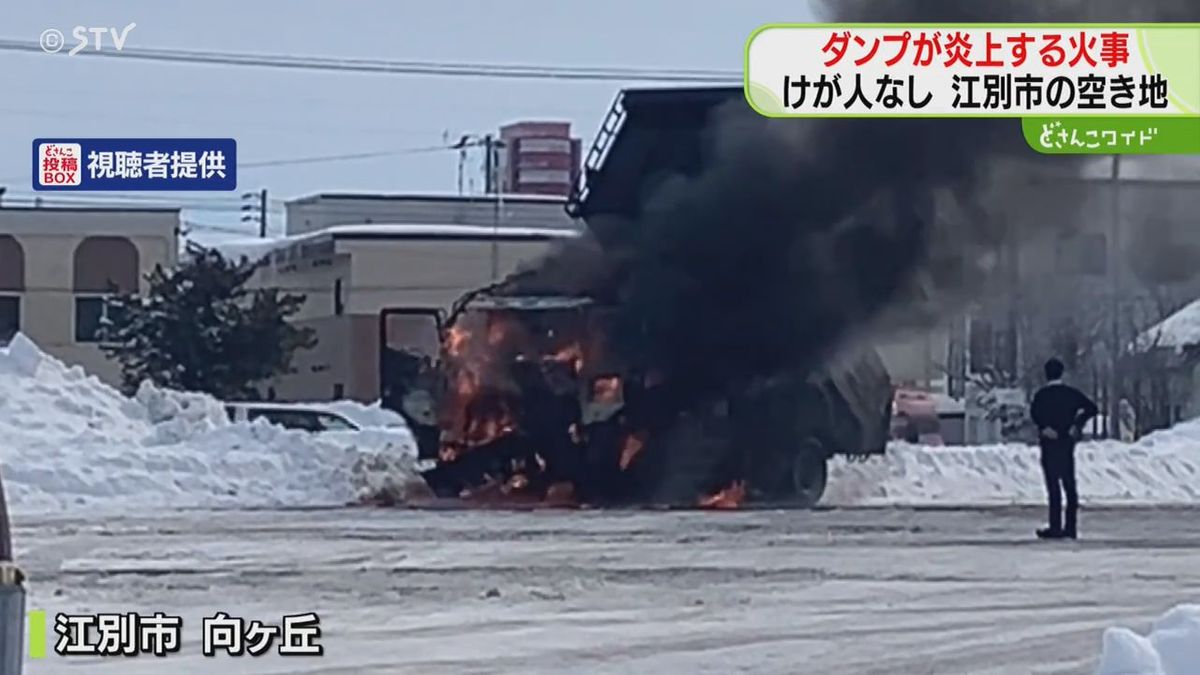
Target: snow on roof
x,y
256,248
385,230
529,302
246,247
433,196
1176,331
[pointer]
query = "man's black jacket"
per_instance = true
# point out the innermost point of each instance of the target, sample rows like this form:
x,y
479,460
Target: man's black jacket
x,y
1060,407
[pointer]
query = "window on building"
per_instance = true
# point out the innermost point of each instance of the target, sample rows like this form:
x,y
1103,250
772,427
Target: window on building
x,y
554,176
10,317
106,265
12,264
91,312
339,306
339,391
555,145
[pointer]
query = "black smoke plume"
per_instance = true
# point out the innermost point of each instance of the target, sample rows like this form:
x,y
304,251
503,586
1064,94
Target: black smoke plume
x,y
800,234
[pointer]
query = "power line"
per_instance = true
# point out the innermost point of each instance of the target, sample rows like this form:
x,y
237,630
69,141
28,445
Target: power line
x,y
340,158
433,68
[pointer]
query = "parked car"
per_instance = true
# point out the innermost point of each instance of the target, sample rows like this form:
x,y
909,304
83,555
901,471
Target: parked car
x,y
302,416
392,435
915,418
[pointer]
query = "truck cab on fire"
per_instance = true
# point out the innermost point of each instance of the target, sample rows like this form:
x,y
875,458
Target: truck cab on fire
x,y
507,360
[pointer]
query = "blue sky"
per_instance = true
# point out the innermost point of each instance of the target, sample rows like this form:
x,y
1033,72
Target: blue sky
x,y
279,114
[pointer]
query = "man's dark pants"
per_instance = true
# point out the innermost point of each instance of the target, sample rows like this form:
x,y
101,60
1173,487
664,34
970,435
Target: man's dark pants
x,y
1058,465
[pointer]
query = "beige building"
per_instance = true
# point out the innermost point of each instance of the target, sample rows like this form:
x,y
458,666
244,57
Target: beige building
x,y
57,264
371,284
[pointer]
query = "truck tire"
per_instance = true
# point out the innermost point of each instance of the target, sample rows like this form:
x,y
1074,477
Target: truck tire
x,y
810,473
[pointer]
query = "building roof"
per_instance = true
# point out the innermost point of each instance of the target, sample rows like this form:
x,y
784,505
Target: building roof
x,y
256,248
1177,331
529,302
92,209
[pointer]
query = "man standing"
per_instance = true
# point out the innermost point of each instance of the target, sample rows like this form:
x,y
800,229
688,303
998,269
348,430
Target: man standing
x,y
1060,411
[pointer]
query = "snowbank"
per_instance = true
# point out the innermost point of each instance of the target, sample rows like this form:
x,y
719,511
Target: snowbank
x,y
1171,648
1162,468
70,442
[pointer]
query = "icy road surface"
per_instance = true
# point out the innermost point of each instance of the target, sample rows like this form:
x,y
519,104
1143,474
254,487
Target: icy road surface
x,y
844,591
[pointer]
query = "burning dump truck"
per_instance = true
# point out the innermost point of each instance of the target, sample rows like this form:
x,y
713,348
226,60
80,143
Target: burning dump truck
x,y
543,389
533,404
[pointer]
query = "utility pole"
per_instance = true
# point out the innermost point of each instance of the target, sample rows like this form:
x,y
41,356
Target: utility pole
x,y
1114,266
492,188
491,168
249,207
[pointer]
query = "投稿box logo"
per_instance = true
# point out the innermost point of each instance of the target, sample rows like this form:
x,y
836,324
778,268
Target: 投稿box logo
x,y
58,164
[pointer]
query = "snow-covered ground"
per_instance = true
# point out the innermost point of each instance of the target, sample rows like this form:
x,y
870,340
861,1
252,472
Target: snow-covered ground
x,y
866,591
69,442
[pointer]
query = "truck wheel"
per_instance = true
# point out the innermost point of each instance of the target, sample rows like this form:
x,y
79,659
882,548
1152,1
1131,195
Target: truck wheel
x,y
809,474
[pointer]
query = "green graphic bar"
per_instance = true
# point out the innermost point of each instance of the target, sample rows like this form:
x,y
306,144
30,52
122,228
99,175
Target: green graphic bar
x,y
37,634
1113,135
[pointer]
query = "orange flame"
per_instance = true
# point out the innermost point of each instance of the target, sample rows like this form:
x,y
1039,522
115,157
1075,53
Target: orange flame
x,y
466,384
484,430
630,448
729,498
456,341
607,389
572,353
497,331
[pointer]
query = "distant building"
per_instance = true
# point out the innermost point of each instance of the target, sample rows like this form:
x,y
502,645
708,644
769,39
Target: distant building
x,y
321,211
58,264
377,287
539,158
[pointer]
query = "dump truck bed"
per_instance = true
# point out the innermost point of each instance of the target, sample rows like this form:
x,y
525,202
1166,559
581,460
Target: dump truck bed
x,y
648,133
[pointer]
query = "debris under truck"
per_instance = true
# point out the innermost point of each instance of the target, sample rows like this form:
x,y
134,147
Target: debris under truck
x,y
531,399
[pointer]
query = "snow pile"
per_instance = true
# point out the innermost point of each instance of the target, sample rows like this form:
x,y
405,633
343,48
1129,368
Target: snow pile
x,y
1162,468
1171,648
68,441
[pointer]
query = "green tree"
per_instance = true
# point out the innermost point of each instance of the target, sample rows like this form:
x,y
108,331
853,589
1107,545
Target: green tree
x,y
198,328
